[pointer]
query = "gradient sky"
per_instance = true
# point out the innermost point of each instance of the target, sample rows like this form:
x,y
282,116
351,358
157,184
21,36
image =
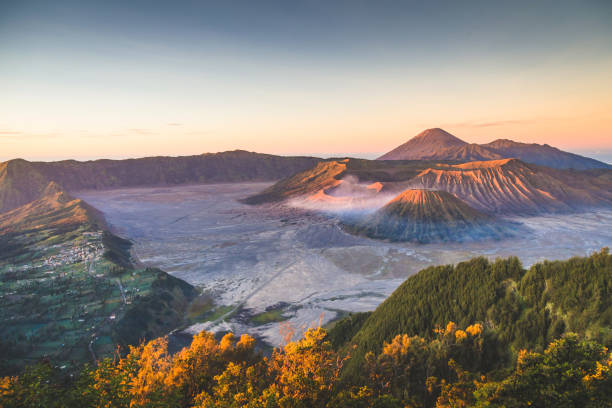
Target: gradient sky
x,y
86,79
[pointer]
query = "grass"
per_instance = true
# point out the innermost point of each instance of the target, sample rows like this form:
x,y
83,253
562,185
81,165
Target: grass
x,y
218,312
200,308
271,316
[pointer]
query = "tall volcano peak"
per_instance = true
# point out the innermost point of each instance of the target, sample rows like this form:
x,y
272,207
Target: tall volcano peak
x,y
437,144
426,144
437,135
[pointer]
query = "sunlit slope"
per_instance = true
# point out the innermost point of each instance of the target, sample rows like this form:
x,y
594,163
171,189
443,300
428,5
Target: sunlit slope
x,y
437,144
323,176
55,208
426,145
22,181
504,186
428,216
378,174
510,186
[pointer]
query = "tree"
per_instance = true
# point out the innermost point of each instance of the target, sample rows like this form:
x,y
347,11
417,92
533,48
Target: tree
x,y
570,373
195,367
39,386
305,372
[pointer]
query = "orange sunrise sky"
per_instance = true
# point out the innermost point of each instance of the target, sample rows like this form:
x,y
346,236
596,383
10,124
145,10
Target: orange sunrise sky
x,y
112,80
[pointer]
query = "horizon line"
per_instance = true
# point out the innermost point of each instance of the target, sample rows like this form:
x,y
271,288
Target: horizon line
x,y
604,156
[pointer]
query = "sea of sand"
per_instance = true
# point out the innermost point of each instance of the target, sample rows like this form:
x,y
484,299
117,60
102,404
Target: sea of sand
x,y
255,258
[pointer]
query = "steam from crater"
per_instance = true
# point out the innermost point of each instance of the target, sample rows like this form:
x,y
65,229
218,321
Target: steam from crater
x,y
348,197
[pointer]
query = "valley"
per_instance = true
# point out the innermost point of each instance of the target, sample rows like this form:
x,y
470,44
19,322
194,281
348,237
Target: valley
x,y
113,252
272,269
276,204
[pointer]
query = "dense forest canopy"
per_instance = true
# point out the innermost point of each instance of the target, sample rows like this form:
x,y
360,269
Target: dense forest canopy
x,y
523,308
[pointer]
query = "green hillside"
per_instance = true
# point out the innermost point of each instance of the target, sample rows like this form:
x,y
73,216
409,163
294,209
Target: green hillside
x,y
68,288
523,308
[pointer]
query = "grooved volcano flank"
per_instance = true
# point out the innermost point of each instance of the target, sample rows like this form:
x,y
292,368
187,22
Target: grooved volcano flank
x,y
510,186
501,186
428,216
429,205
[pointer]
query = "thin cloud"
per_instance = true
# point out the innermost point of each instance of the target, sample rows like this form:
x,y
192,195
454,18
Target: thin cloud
x,y
14,134
141,131
489,124
200,133
175,124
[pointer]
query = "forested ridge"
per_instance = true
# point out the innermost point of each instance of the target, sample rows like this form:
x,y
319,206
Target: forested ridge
x,y
484,334
524,308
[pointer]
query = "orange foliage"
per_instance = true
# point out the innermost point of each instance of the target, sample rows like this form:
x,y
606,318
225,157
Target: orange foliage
x,y
195,367
6,386
305,371
474,329
459,393
460,335
154,364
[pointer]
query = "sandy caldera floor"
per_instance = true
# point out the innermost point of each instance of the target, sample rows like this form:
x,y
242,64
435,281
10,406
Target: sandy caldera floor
x,y
252,258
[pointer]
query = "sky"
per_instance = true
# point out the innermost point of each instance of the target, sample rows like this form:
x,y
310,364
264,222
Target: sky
x,y
89,79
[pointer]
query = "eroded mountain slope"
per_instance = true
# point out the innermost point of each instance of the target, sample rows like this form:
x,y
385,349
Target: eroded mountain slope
x,y
510,186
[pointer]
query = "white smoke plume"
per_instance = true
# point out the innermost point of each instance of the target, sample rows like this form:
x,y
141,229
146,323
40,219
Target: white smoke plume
x,y
349,197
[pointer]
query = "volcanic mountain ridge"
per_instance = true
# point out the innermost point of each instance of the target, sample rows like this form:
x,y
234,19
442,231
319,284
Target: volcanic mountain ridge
x,y
510,186
437,144
23,181
501,187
